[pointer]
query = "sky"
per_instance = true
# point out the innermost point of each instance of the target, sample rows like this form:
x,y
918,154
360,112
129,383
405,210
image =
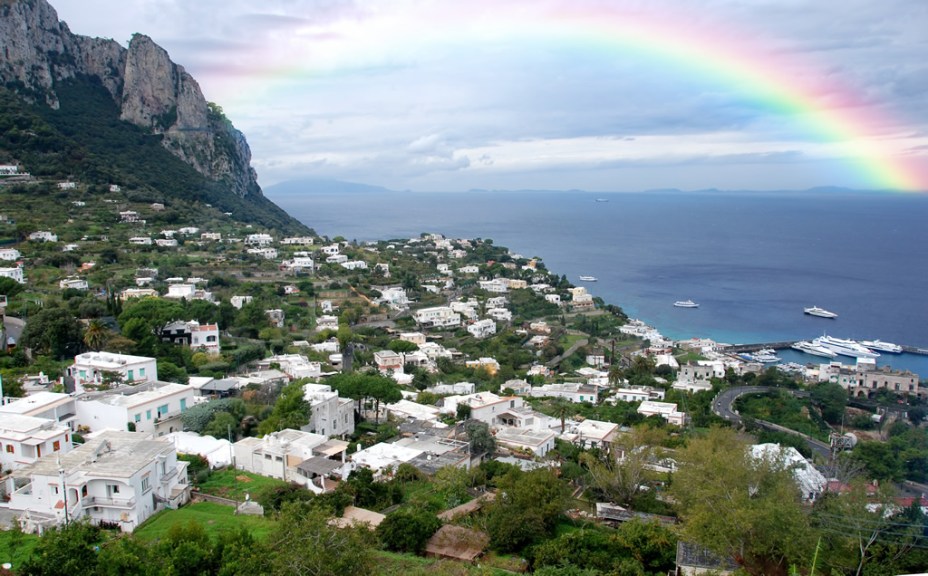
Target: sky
x,y
600,95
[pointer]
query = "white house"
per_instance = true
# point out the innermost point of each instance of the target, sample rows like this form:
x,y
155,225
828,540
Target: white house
x,y
482,328
330,415
188,291
388,361
593,433
73,283
330,250
299,264
14,273
266,253
117,477
354,265
438,317
277,454
199,337
11,254
297,241
417,338
666,410
538,442
89,367
571,391
211,236
54,406
239,301
500,314
138,293
43,236
141,240
293,365
326,322
259,240
638,394
484,406
25,439
153,408
189,230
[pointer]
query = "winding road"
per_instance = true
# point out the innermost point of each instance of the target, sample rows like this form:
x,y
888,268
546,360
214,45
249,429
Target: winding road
x,y
722,406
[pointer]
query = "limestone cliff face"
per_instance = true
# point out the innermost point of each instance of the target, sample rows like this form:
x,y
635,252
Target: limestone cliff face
x,y
152,91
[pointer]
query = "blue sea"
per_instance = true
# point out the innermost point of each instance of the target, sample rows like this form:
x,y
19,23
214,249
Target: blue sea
x,y
751,260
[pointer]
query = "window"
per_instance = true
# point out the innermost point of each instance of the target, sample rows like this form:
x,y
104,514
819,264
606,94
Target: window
x,y
141,372
146,486
162,410
148,414
84,490
183,404
56,445
10,449
114,488
131,375
138,417
82,373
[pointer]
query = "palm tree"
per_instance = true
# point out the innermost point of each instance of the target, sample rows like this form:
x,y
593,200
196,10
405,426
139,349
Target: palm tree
x,y
96,335
562,410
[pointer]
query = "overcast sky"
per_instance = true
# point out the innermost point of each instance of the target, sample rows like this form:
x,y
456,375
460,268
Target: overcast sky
x,y
556,94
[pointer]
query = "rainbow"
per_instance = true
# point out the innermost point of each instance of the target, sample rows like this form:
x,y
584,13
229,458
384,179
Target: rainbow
x,y
796,92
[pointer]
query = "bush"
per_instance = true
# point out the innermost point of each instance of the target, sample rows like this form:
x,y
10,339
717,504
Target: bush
x,y
407,530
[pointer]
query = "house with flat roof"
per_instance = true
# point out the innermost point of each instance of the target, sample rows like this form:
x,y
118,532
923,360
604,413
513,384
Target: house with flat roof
x,y
666,410
278,454
25,439
154,408
89,368
120,478
330,415
574,392
538,442
61,408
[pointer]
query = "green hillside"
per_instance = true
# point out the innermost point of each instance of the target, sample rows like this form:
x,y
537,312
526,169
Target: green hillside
x,y
84,140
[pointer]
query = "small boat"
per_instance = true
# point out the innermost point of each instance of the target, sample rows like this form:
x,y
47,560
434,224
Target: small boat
x,y
882,346
588,278
685,304
820,312
602,199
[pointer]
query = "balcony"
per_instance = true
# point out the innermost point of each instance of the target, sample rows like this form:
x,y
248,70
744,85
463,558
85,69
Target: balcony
x,y
89,501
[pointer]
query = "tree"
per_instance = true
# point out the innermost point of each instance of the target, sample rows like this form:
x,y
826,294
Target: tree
x,y
291,410
479,438
68,551
96,335
831,399
739,507
620,473
526,509
53,331
408,530
153,313
10,287
561,409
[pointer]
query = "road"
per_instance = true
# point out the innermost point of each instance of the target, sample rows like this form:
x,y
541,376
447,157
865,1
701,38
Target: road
x,y
13,328
722,406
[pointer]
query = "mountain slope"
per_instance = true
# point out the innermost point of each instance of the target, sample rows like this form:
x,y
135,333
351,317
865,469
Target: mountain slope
x,y
92,110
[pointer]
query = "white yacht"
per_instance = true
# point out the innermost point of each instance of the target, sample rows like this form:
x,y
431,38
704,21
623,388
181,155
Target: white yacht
x,y
588,278
820,312
813,349
766,356
882,346
845,347
685,304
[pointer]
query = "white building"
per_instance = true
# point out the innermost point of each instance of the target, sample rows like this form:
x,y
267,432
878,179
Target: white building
x,y
354,265
388,361
571,391
594,433
326,322
266,253
53,406
198,337
500,314
117,477
470,269
496,286
482,328
14,273
460,388
538,442
89,368
277,454
138,293
297,241
417,338
188,291
73,284
330,415
43,236
11,254
295,366
638,394
239,301
151,408
666,410
25,439
484,406
438,317
140,240
259,240
299,264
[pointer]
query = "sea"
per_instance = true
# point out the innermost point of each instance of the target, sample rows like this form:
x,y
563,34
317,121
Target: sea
x,y
752,261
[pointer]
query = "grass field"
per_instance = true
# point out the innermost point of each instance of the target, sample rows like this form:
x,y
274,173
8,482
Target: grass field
x,y
234,484
213,517
16,552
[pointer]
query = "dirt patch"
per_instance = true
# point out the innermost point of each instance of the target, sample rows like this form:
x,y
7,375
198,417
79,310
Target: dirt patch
x,y
243,478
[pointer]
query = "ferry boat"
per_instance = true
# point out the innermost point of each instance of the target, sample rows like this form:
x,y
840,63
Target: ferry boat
x,y
588,278
685,304
813,349
845,347
882,346
820,312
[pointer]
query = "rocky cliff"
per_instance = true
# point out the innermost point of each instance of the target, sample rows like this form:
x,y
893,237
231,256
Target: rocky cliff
x,y
151,91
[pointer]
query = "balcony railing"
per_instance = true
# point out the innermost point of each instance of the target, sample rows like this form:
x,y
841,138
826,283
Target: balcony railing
x,y
109,502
